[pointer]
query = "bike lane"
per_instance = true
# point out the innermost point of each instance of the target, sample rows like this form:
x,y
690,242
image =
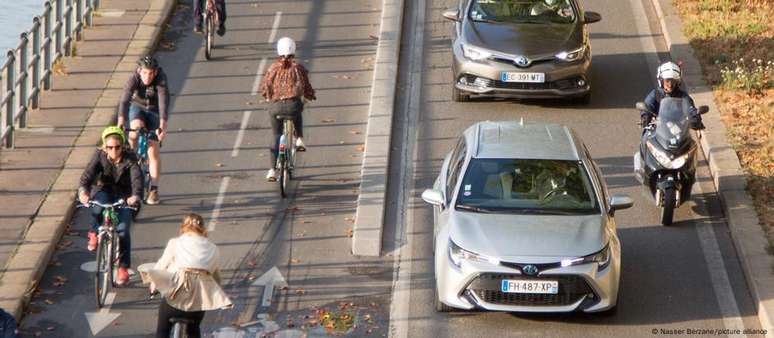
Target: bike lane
x,y
214,164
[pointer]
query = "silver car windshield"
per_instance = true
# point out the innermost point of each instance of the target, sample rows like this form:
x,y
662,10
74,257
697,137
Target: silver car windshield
x,y
527,186
523,11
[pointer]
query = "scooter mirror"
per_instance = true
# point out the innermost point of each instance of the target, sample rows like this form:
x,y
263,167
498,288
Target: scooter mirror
x,y
703,109
641,106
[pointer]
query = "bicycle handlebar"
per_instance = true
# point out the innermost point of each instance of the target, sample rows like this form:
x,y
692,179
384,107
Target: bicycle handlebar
x,y
120,204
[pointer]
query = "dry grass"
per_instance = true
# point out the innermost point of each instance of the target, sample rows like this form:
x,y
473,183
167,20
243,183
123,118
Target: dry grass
x,y
734,41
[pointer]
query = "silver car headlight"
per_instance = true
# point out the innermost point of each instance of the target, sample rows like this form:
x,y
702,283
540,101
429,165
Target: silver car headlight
x,y
602,257
474,53
457,255
572,55
664,159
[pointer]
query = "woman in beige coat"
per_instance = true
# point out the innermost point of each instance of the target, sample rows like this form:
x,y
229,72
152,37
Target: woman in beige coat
x,y
187,276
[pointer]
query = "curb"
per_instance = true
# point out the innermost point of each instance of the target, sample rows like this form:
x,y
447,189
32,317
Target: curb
x,y
369,217
727,174
31,257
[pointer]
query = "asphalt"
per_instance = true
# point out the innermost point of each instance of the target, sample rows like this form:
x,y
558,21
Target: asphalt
x,y
306,237
684,276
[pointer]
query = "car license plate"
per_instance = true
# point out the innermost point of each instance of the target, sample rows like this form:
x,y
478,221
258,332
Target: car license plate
x,y
530,286
523,77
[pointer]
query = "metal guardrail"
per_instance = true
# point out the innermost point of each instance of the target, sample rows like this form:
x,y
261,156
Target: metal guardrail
x,y
50,38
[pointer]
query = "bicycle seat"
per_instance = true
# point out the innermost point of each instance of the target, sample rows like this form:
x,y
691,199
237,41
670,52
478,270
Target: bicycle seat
x,y
285,117
180,320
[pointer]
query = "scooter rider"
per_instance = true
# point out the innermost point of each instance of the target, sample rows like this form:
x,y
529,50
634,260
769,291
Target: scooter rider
x,y
669,79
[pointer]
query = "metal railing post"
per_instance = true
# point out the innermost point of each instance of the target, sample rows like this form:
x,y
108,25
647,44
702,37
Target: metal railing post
x,y
36,55
89,12
4,122
47,15
68,19
78,19
23,80
59,27
10,107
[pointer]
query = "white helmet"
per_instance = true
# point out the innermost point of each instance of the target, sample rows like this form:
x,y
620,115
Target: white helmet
x,y
286,46
668,70
551,2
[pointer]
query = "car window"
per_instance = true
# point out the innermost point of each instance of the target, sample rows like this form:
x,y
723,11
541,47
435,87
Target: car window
x,y
455,165
527,186
597,175
523,11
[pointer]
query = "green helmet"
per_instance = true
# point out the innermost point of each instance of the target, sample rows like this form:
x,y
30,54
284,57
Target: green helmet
x,y
113,130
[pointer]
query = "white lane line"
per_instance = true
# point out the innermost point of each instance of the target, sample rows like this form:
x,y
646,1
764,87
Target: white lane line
x,y
241,134
218,204
400,311
275,26
707,239
718,274
258,76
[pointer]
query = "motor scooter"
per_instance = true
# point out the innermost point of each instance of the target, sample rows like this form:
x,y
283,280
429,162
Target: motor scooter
x,y
666,161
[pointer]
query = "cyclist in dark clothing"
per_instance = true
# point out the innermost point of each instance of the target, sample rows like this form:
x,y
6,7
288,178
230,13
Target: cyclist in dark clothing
x,y
119,177
220,7
669,78
146,100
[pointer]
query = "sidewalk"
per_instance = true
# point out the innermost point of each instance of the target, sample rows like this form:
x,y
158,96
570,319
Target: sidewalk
x,y
39,177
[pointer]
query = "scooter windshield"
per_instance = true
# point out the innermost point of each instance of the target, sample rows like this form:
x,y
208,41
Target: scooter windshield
x,y
673,123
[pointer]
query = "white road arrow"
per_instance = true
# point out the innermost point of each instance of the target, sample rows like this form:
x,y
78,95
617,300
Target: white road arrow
x,y
98,321
269,280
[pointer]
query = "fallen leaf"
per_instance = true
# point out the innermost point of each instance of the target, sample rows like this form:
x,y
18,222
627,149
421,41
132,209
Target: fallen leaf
x,y
350,233
355,132
294,261
300,291
251,278
328,120
373,36
48,301
306,222
349,219
219,165
360,148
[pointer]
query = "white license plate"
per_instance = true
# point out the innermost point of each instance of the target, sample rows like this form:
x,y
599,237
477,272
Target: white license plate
x,y
530,286
523,77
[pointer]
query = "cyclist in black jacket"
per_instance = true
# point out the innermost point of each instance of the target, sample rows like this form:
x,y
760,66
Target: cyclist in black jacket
x,y
145,101
119,177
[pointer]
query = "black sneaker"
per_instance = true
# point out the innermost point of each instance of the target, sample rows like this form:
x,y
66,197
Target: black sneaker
x,y
221,30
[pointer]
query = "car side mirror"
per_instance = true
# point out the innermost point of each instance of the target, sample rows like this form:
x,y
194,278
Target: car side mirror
x,y
641,106
619,202
591,17
452,14
433,197
703,109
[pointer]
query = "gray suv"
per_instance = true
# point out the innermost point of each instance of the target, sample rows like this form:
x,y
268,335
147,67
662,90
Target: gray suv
x,y
521,49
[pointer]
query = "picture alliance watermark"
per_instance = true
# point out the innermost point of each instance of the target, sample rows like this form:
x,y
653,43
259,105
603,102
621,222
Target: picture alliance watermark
x,y
708,332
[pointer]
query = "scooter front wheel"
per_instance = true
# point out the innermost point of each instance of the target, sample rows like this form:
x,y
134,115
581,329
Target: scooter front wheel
x,y
668,206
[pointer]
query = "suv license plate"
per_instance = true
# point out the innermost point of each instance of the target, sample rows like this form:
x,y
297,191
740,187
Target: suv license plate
x,y
550,287
523,77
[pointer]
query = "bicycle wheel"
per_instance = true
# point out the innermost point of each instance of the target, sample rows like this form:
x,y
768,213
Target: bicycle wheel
x,y
209,37
178,330
103,278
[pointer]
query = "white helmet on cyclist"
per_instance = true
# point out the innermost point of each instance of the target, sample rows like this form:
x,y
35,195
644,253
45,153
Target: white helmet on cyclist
x,y
286,46
551,2
668,70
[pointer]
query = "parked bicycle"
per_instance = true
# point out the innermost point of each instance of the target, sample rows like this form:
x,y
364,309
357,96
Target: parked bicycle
x,y
107,248
286,153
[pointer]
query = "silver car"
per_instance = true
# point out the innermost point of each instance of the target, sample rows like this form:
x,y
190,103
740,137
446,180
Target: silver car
x,y
521,49
523,222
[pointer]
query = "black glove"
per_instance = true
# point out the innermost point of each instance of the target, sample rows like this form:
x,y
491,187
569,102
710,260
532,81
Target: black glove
x,y
645,120
697,125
